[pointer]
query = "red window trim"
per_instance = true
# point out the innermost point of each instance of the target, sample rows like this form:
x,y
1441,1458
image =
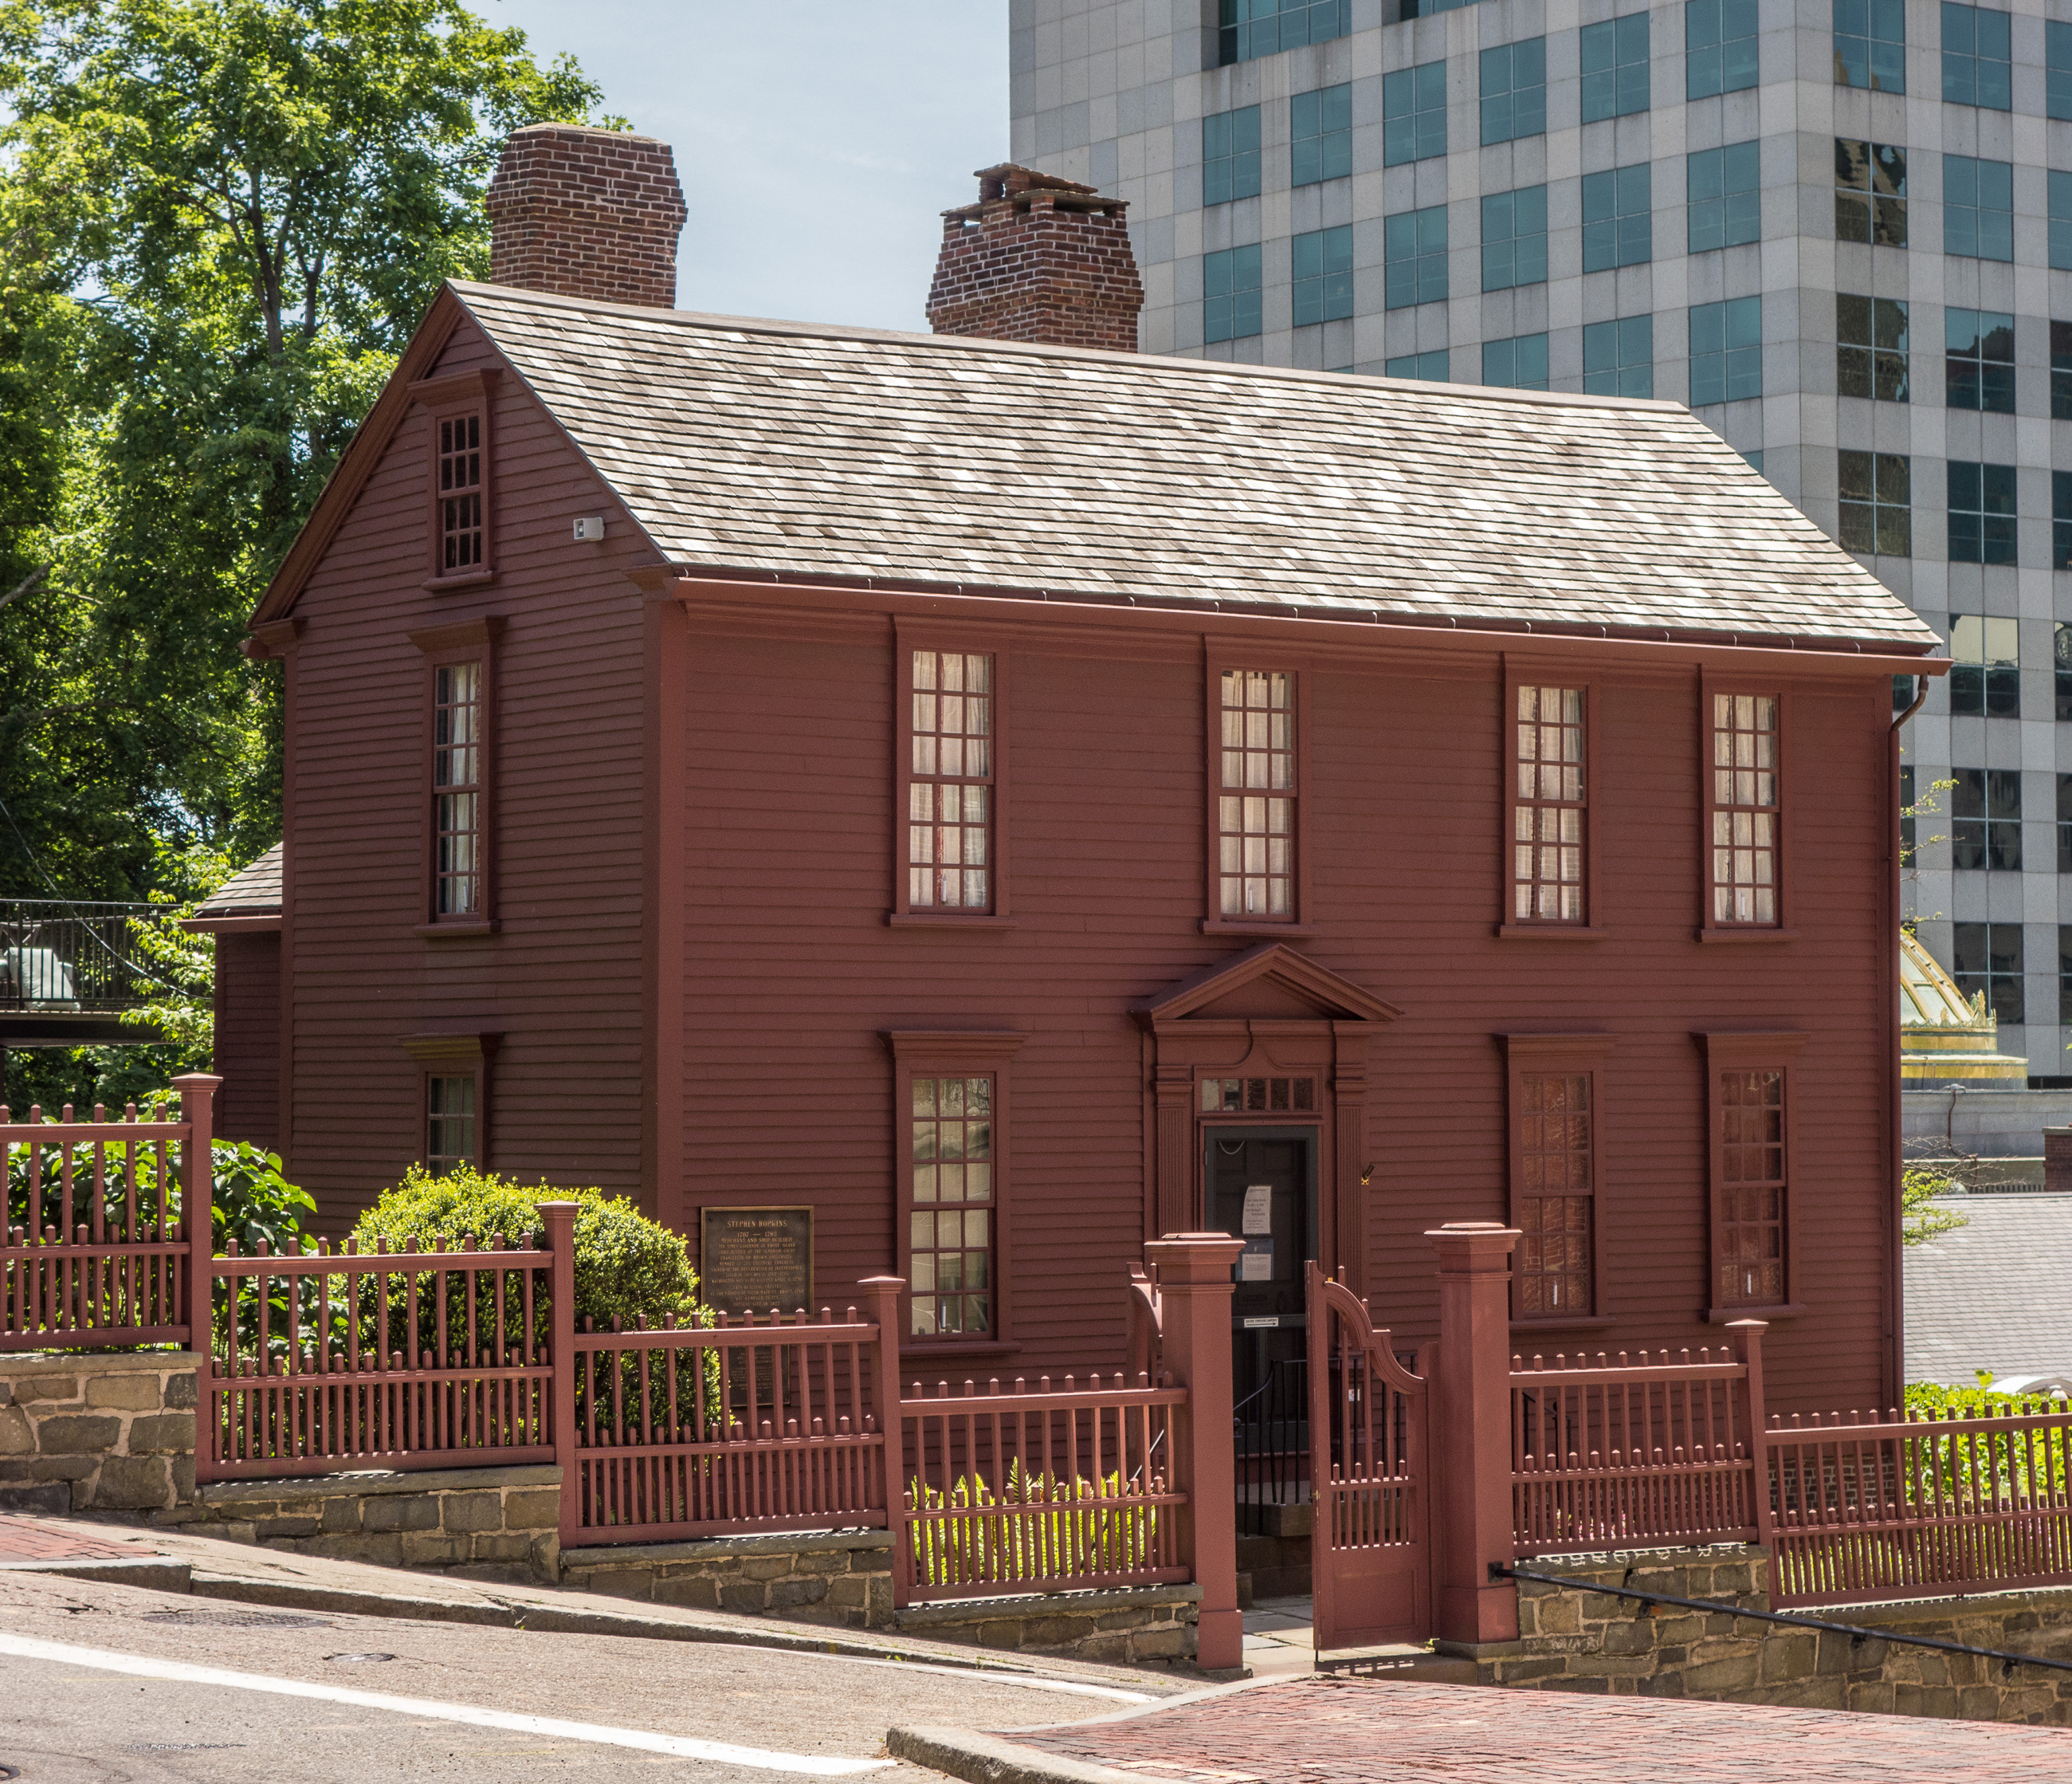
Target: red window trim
x,y
907,637
471,641
470,1053
947,1053
1219,654
1573,1054
1536,672
442,399
1750,1050
1711,682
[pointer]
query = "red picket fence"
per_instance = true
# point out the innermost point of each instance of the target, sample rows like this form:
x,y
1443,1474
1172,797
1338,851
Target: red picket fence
x,y
1870,1506
98,1215
1662,1452
323,1360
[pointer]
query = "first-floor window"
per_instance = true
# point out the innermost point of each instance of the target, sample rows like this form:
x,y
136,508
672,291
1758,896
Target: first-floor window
x,y
954,1228
457,789
1555,1195
1750,1249
450,1116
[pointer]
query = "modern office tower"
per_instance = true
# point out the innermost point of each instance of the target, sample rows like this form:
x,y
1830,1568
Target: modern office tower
x,y
1841,230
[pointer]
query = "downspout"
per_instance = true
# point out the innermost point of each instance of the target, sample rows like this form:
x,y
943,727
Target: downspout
x,y
1896,1285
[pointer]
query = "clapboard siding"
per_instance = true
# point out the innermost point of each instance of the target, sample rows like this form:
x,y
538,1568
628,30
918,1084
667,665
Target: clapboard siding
x,y
247,1036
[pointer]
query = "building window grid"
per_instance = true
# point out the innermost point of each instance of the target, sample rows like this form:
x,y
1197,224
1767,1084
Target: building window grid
x,y
950,793
1321,270
1619,218
1978,348
1258,1096
1513,238
1514,91
1618,357
2064,957
2058,233
449,1122
2061,371
1870,44
1231,294
1557,1192
1719,46
1518,364
1255,807
2058,69
1978,207
952,1228
1435,366
1723,194
1549,812
1321,133
2060,520
1876,497
1982,513
2061,661
2064,831
1252,28
1746,813
1907,843
1985,812
457,749
1229,155
461,492
1751,1260
1615,67
1726,351
1986,682
1870,192
1872,348
1977,60
1987,959
1413,114
1414,257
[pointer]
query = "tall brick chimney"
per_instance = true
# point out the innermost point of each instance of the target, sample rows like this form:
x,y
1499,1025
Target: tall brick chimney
x,y
1038,258
586,213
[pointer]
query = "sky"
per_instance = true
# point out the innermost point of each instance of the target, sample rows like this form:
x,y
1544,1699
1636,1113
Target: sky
x,y
818,140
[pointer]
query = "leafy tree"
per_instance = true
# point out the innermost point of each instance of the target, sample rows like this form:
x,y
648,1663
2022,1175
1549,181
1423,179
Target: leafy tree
x,y
1919,1219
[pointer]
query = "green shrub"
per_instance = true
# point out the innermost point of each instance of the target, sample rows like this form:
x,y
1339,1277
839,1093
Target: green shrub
x,y
1036,1527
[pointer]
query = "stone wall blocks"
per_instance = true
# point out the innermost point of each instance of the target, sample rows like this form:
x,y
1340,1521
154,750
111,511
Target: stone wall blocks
x,y
765,1567
76,1434
823,1561
786,1595
533,1508
47,1388
129,1392
132,1483
1166,1644
273,1530
744,1599
1002,1634
1134,1618
499,1546
18,1437
420,1548
696,1592
163,1434
341,1516
183,1389
464,1512
392,1512
852,1591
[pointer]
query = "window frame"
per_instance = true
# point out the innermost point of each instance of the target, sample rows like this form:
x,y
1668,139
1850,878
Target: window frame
x,y
1589,36
1710,684
1235,160
1615,329
1484,98
1693,90
469,1054
1705,159
1876,506
1537,195
1564,1054
1330,287
1540,672
1869,36
1615,185
1749,1050
953,1053
476,641
2019,975
1398,271
1977,209
1880,209
1232,259
1415,121
1727,309
1877,360
1219,654
1994,548
1335,142
909,636
445,399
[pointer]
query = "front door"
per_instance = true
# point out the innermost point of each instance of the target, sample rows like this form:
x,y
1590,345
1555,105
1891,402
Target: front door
x,y
1261,1187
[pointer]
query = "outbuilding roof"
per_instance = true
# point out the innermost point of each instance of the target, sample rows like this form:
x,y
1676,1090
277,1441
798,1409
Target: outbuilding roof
x,y
776,448
253,893
1995,1294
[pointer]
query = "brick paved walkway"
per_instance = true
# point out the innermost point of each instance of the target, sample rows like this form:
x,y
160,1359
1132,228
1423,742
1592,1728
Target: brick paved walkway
x,y
31,1539
1340,1730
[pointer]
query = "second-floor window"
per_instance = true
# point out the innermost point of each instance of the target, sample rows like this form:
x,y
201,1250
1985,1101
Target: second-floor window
x,y
1413,107
1987,681
1977,59
1514,95
1619,218
1231,294
1979,360
1726,351
1722,190
1615,67
1870,192
457,789
1618,357
1229,155
1249,28
1414,257
1320,274
1513,238
462,491
1982,513
1746,811
1549,806
1876,494
950,787
1256,799
1985,813
1978,207
1719,47
1870,44
1987,957
1871,347
1321,133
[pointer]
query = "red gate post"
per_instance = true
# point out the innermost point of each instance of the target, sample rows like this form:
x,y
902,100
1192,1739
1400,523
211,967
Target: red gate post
x,y
881,1294
1195,1286
1751,1332
1471,1431
198,1229
560,1217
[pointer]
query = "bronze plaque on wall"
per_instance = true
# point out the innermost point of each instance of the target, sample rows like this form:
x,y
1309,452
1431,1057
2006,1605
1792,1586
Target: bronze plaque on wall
x,y
751,1259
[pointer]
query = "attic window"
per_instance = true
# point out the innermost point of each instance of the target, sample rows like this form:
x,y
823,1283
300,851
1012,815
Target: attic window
x,y
461,491
461,462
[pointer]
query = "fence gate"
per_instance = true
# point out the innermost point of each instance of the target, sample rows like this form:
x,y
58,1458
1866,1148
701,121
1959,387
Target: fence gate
x,y
1371,1549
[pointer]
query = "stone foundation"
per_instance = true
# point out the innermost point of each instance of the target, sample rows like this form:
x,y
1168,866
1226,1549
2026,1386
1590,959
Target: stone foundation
x,y
112,1432
1147,1623
838,1577
1274,1562
1572,1640
488,1523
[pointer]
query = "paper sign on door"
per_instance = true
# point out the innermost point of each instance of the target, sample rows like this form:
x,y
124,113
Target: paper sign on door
x,y
1258,1208
1256,1262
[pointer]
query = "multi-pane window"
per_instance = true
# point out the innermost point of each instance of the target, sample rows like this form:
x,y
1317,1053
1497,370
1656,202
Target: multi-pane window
x,y
1618,357
1513,238
2060,662
1906,815
2064,827
1547,815
1726,351
1413,114
2064,947
1982,513
1977,60
2058,69
1723,188
1748,1256
1414,257
1231,294
1321,266
461,491
1978,207
1719,47
448,1121
1229,155
1321,127
1518,364
950,794
1985,815
1987,957
2061,371
2060,520
950,1258
1249,28
1619,218
1745,808
1876,491
1556,1191
1258,1096
1870,44
457,766
1871,347
1615,67
1870,192
2060,229
1514,80
1986,682
1255,807
1979,360
1436,365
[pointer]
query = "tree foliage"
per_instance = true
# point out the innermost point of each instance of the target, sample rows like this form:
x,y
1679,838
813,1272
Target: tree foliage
x,y
1920,1220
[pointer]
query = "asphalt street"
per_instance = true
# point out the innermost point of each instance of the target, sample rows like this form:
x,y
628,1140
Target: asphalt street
x,y
103,1683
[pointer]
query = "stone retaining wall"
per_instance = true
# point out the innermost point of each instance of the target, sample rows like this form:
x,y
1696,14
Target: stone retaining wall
x,y
1144,1623
97,1432
1574,1640
841,1577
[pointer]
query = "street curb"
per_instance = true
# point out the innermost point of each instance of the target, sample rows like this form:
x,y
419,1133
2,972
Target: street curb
x,y
153,1572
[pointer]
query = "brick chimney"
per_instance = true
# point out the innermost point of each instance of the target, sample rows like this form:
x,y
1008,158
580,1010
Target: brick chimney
x,y
586,213
1038,258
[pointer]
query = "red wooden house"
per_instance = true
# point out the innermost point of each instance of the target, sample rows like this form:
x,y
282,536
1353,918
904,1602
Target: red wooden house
x,y
1012,799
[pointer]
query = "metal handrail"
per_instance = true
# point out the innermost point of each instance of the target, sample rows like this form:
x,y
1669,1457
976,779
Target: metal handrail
x,y
71,956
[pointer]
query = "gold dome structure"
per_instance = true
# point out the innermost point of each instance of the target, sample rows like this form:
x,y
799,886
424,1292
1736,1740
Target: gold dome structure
x,y
1945,1038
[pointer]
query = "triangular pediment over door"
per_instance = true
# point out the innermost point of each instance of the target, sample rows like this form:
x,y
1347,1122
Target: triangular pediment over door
x,y
1274,1028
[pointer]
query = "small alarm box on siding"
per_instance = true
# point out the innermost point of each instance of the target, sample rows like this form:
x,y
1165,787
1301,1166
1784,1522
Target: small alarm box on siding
x,y
591,527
